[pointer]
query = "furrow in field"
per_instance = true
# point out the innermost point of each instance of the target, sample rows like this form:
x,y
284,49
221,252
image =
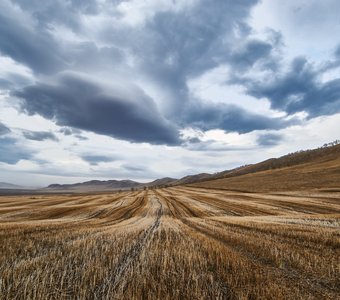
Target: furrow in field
x,y
269,204
129,259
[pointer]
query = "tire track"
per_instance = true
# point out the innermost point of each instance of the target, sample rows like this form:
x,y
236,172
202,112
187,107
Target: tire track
x,y
131,257
179,211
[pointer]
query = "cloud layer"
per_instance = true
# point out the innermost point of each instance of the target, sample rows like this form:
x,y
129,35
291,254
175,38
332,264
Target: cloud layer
x,y
164,48
136,73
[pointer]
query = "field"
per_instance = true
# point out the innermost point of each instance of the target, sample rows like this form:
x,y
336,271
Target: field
x,y
173,243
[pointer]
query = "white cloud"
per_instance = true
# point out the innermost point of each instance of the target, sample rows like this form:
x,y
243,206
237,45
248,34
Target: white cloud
x,y
14,72
211,87
309,27
331,74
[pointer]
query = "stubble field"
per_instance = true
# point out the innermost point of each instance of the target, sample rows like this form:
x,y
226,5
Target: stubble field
x,y
174,243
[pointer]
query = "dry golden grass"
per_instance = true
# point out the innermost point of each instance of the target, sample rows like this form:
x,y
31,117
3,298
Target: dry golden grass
x,y
318,174
175,243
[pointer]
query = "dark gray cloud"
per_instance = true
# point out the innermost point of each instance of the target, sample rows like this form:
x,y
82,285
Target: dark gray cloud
x,y
32,47
74,132
33,44
67,131
94,160
337,52
39,135
79,102
193,140
187,44
269,139
231,118
297,90
5,83
11,153
4,129
246,56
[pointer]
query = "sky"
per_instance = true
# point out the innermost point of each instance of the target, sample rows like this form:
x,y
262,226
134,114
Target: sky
x,y
98,89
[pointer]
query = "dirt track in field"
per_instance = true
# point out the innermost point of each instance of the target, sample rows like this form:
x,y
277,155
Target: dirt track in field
x,y
174,243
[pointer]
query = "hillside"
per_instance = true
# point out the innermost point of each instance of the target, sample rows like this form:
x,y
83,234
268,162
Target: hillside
x,y
193,178
160,182
94,185
310,169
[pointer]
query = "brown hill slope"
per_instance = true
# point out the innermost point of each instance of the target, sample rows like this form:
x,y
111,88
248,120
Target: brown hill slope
x,y
311,169
192,179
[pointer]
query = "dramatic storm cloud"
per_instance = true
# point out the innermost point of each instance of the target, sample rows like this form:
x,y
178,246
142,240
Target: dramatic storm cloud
x,y
119,111
163,85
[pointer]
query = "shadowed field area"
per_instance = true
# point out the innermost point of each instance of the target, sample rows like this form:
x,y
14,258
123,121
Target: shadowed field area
x,y
174,243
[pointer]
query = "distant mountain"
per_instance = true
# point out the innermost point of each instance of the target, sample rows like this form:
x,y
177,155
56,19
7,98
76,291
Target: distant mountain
x,y
105,185
94,185
10,186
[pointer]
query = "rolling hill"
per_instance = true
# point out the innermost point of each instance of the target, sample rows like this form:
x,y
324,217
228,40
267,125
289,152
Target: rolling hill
x,y
310,169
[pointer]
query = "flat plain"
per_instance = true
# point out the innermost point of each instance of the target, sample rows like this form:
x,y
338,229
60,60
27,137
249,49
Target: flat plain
x,y
171,243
